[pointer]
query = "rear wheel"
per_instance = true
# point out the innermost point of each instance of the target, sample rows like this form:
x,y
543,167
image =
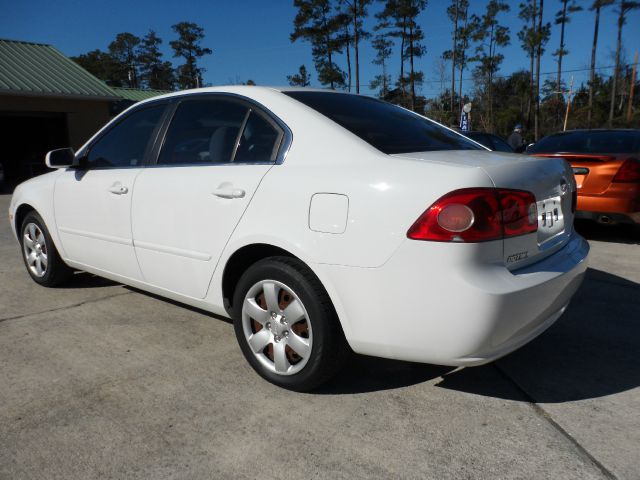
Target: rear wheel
x,y
40,256
286,325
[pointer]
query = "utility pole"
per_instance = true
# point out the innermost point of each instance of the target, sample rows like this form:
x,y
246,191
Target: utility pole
x,y
631,88
566,114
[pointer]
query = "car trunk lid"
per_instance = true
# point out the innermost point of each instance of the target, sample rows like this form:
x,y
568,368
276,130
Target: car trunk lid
x,y
593,172
549,179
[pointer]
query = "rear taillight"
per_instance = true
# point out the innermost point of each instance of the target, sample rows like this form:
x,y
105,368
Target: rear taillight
x,y
629,171
477,215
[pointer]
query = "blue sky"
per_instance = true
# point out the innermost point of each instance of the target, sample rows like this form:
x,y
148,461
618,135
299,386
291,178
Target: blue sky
x,y
250,38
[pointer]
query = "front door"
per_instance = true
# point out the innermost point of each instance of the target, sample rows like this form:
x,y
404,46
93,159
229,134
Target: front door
x,y
93,203
185,208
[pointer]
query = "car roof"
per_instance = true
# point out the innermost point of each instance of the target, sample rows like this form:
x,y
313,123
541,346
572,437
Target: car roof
x,y
242,89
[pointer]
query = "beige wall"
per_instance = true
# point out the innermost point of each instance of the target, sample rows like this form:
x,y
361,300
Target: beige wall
x,y
84,117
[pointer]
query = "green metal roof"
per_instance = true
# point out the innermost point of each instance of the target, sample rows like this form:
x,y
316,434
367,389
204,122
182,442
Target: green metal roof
x,y
137,94
38,69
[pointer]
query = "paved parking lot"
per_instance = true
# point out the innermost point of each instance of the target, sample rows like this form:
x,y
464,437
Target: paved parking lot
x,y
101,381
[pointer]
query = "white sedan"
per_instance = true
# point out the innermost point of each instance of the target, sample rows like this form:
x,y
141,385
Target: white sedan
x,y
321,222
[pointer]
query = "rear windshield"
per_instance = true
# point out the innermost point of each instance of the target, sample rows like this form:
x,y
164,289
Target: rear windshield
x,y
388,128
589,142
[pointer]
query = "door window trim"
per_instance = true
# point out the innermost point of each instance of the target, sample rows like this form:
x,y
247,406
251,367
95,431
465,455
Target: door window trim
x,y
281,147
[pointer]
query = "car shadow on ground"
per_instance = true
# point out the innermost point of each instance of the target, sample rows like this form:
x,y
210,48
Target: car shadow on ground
x,y
180,304
619,233
86,280
592,351
363,374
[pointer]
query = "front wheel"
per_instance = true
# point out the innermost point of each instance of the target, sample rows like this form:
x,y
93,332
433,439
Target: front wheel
x,y
286,325
43,262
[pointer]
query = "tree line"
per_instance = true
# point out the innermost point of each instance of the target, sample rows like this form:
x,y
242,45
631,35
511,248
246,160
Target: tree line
x,y
336,28
137,62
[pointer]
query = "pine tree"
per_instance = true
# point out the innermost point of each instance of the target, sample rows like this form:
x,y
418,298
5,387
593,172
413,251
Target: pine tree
x,y
400,16
123,49
490,35
562,18
597,6
355,12
542,34
316,23
154,72
528,37
300,79
383,47
624,7
458,13
188,47
345,40
104,66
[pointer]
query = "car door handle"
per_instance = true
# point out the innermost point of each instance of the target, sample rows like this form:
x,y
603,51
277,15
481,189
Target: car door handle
x,y
118,189
228,192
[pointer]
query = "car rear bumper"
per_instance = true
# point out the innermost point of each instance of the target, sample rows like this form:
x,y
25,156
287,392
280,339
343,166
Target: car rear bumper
x,y
621,202
433,304
610,217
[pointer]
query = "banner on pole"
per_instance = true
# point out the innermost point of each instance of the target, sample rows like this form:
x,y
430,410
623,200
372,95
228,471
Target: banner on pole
x,y
465,121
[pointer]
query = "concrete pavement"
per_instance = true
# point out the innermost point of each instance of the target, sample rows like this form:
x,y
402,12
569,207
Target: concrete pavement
x,y
100,381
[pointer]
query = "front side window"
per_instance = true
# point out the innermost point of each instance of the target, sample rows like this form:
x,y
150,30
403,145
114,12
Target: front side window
x,y
203,131
125,144
387,127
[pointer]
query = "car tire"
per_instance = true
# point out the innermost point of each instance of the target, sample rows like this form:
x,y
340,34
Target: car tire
x,y
43,262
302,344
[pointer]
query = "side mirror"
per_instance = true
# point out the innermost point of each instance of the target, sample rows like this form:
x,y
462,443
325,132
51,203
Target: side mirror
x,y
60,158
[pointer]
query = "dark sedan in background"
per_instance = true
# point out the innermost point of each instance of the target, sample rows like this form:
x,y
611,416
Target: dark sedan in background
x,y
489,140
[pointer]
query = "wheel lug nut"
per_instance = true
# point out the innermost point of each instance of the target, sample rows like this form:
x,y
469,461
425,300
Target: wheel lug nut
x,y
277,338
268,325
285,334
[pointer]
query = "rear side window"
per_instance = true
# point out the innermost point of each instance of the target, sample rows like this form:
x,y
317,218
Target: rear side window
x,y
203,131
589,142
387,127
125,144
259,141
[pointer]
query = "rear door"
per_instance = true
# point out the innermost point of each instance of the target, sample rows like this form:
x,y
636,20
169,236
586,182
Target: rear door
x,y
215,152
93,203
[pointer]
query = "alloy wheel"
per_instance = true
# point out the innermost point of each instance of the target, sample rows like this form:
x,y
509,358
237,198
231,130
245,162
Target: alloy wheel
x,y
35,250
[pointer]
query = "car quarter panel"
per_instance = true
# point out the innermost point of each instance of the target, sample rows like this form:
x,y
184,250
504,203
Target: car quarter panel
x,y
454,306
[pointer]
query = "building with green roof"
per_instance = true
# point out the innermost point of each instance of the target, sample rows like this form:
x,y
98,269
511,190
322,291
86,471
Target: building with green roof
x,y
48,101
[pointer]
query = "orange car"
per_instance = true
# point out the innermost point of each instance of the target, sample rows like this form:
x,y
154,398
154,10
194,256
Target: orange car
x,y
606,164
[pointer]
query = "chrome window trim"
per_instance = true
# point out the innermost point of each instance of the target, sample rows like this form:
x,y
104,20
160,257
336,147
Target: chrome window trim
x,y
286,137
240,132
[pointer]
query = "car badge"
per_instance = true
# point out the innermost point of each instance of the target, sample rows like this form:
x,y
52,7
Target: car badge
x,y
564,186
